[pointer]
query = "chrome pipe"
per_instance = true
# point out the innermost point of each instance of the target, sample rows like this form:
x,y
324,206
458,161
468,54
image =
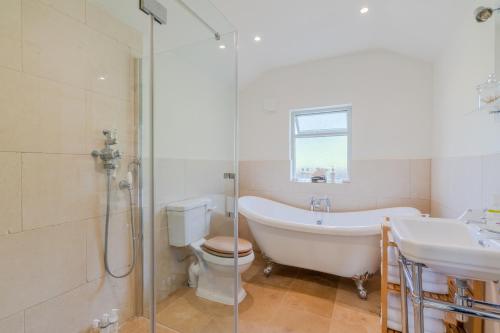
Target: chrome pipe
x,y
404,295
450,307
217,35
418,306
152,278
413,284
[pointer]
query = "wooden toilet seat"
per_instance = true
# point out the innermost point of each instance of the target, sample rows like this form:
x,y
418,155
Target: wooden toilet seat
x,y
222,246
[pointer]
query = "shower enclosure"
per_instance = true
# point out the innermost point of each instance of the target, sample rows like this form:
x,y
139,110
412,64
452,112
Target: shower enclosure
x,y
84,229
191,137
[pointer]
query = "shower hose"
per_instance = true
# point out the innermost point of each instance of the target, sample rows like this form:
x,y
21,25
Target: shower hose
x,y
106,235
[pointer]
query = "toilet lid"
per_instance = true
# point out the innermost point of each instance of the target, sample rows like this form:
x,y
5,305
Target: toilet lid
x,y
223,247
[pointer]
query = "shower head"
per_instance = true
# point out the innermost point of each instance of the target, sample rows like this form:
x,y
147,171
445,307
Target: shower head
x,y
483,14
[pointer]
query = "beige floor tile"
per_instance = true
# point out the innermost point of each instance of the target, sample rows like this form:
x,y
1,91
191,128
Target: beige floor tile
x,y
185,316
181,292
312,292
348,319
245,326
261,303
292,321
294,301
346,294
141,325
218,325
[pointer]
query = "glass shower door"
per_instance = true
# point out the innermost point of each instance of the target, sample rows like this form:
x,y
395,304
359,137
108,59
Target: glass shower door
x,y
194,166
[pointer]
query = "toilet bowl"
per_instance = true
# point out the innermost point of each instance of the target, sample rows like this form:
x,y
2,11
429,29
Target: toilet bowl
x,y
212,274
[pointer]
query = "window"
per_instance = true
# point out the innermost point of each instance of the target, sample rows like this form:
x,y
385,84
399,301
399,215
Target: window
x,y
320,144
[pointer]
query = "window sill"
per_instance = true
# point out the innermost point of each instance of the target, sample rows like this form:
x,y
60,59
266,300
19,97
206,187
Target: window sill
x,y
308,181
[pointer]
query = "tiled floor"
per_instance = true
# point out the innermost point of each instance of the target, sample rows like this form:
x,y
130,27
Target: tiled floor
x,y
290,301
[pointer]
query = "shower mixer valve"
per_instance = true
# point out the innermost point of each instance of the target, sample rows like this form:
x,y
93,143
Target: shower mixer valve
x,y
108,154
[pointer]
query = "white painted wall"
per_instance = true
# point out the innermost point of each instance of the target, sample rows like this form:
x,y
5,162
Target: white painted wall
x,y
467,60
391,96
465,143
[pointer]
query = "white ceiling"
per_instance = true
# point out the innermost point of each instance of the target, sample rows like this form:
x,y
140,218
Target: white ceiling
x,y
295,31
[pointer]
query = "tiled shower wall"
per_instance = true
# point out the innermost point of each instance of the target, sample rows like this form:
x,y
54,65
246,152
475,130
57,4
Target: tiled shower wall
x,y
374,184
459,183
66,73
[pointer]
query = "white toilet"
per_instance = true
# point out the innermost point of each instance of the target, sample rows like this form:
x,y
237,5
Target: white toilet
x,y
213,273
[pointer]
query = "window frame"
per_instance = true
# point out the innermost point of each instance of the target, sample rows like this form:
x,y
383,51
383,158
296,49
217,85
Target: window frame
x,y
345,108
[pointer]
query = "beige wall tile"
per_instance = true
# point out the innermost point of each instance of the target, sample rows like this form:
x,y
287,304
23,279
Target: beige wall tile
x,y
466,183
390,178
53,44
420,179
74,311
40,115
490,179
12,133
13,324
103,112
266,175
441,184
10,34
42,264
108,65
102,21
73,8
10,193
204,177
61,188
120,248
171,179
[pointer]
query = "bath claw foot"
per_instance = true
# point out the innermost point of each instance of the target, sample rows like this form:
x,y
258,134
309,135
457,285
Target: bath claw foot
x,y
269,266
268,270
360,284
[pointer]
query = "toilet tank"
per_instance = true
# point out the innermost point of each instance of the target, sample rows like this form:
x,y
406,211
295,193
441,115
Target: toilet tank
x,y
188,221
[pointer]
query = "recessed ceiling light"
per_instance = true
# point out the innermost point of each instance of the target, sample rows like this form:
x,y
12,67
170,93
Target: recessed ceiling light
x,y
364,10
222,46
257,38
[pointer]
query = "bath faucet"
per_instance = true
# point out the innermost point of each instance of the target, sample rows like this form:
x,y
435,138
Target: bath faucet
x,y
316,203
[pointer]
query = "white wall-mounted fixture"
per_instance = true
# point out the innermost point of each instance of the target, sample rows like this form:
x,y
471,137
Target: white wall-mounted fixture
x,y
222,46
257,39
364,10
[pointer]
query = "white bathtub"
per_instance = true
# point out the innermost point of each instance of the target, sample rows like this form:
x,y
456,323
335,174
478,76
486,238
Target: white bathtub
x,y
345,244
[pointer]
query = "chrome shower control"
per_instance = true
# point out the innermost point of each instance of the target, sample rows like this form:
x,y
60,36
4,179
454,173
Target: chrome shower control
x,y
108,154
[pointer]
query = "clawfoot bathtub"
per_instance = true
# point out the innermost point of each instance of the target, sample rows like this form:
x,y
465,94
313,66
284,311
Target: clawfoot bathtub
x,y
343,244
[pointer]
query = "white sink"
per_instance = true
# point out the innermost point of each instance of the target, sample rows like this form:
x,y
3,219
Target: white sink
x,y
447,246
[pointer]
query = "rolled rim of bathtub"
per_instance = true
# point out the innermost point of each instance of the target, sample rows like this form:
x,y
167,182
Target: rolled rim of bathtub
x,y
355,223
